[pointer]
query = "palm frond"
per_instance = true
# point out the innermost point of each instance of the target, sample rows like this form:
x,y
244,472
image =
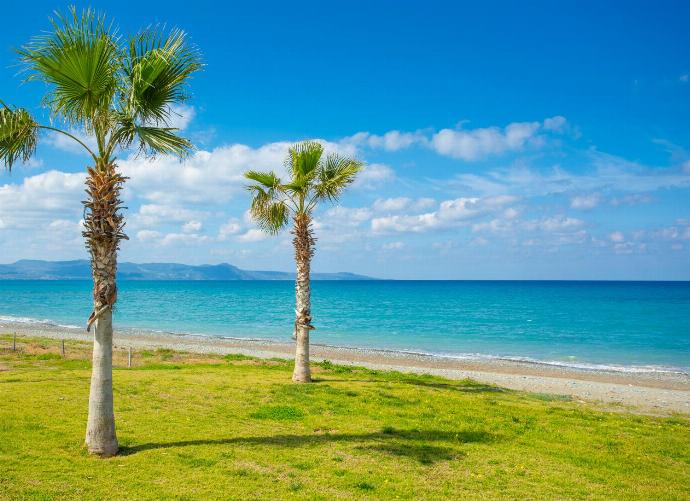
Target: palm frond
x,y
267,179
304,159
18,135
268,207
271,217
78,60
157,68
335,175
162,140
299,186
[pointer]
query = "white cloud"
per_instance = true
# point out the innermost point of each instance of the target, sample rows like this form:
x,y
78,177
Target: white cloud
x,y
477,144
632,199
393,246
252,235
183,239
171,239
588,201
68,144
390,141
157,214
214,176
148,235
450,213
391,204
181,116
511,213
556,124
232,227
684,78
40,198
64,225
464,144
192,227
479,242
617,236
557,223
340,216
402,203
607,173
208,176
374,175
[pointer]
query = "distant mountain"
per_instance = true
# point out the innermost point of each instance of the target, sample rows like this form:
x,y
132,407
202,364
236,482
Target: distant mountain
x,y
80,270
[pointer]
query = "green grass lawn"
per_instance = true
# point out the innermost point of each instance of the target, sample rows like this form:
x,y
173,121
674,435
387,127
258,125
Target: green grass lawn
x,y
205,427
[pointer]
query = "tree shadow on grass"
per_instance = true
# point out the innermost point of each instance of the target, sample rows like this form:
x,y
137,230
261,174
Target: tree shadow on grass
x,y
465,386
414,444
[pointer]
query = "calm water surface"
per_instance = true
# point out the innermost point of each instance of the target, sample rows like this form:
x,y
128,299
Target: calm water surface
x,y
610,323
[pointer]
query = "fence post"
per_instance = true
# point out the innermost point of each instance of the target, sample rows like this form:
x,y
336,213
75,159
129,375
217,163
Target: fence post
x,y
14,342
129,357
63,348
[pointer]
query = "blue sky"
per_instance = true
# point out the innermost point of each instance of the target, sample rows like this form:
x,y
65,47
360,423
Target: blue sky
x,y
545,140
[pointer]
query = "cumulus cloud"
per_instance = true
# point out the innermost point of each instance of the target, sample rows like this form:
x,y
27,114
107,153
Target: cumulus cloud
x,y
606,173
374,175
390,141
393,246
481,143
588,201
213,176
554,223
632,199
402,203
148,235
464,144
232,227
157,214
40,198
183,239
67,144
617,236
252,235
450,213
192,227
181,116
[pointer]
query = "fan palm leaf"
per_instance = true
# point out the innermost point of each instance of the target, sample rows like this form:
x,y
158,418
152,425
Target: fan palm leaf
x,y
156,69
18,135
78,60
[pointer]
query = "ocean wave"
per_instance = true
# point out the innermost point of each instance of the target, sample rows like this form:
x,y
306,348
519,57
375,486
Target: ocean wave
x,y
34,321
577,365
585,366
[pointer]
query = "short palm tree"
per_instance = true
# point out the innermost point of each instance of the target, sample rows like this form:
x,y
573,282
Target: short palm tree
x,y
313,179
120,91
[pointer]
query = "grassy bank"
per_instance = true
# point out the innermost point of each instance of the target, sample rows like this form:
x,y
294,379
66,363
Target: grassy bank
x,y
197,426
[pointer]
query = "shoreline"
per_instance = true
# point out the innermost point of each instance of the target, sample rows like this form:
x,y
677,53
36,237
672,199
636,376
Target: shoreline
x,y
656,392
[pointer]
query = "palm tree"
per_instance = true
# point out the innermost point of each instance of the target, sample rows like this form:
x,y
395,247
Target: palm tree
x,y
312,179
120,92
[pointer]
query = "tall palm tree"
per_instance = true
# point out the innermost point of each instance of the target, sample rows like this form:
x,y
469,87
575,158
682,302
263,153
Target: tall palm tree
x,y
119,91
313,179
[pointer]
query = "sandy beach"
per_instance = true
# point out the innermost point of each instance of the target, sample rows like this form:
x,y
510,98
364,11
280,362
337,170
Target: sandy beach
x,y
647,392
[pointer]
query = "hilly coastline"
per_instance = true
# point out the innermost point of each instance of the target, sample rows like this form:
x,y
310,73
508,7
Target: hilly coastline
x,y
27,269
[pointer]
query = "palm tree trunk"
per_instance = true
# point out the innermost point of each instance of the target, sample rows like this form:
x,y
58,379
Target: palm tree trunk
x,y
100,428
103,231
304,250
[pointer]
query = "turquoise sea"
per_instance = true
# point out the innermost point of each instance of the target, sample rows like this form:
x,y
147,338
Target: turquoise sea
x,y
626,325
